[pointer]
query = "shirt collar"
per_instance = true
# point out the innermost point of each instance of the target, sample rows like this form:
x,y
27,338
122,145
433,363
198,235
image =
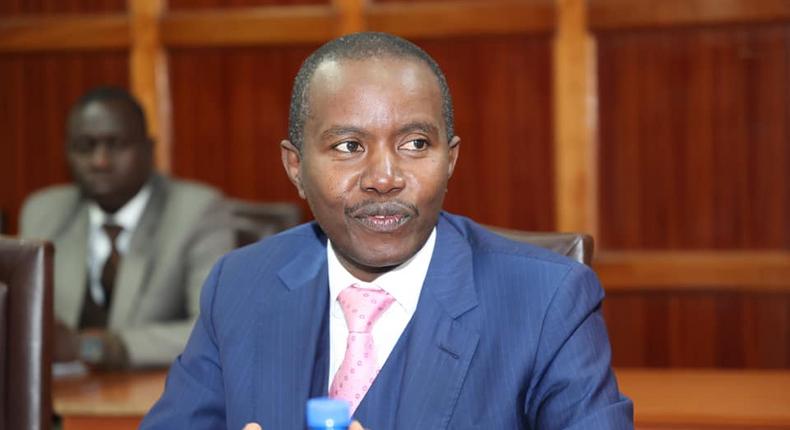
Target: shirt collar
x,y
403,283
127,216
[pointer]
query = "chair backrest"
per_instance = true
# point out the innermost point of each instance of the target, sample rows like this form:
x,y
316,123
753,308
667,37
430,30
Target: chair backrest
x,y
26,272
577,246
252,221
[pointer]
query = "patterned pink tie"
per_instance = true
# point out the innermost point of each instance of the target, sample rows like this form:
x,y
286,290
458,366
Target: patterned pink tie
x,y
361,307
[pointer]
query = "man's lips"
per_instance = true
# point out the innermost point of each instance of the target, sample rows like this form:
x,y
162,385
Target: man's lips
x,y
382,223
382,217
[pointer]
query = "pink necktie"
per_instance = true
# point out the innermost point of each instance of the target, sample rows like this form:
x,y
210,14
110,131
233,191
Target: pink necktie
x,y
361,307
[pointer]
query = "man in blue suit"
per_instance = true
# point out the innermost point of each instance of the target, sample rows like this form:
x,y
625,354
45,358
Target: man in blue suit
x,y
472,331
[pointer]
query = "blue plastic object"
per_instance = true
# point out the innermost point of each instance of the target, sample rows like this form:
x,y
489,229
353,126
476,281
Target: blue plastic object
x,y
328,414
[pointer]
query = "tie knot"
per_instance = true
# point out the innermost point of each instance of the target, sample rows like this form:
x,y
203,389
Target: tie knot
x,y
112,231
363,306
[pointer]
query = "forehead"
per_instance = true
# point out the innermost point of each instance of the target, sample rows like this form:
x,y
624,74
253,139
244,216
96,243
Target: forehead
x,y
375,88
104,117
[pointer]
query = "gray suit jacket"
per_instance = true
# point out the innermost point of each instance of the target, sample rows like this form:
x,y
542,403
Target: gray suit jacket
x,y
181,233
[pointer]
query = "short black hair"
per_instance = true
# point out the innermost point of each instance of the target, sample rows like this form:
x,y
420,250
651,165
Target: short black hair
x,y
112,93
359,46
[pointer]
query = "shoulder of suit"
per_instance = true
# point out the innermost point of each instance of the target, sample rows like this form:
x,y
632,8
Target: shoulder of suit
x,y
484,241
192,189
56,194
497,257
190,197
57,197
45,208
306,237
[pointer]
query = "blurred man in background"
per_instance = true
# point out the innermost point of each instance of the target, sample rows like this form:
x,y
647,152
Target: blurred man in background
x,y
132,246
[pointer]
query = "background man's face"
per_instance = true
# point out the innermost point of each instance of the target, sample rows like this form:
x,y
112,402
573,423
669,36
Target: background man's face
x,y
375,159
108,152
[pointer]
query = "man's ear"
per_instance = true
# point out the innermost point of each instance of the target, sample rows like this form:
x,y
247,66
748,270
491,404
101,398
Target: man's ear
x,y
292,162
455,147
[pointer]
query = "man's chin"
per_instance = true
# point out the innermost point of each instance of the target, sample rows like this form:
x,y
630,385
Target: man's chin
x,y
383,259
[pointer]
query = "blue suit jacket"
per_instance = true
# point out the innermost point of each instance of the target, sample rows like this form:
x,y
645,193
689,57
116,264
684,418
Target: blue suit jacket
x,y
505,336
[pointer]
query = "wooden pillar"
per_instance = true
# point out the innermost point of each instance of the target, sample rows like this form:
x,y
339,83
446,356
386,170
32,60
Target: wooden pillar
x,y
149,77
351,15
575,120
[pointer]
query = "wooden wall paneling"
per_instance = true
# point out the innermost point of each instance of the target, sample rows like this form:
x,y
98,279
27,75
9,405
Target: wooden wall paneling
x,y
692,330
683,270
57,7
38,90
229,4
58,33
505,173
621,14
461,18
628,181
200,143
704,163
767,54
227,133
350,16
702,328
149,76
271,25
575,121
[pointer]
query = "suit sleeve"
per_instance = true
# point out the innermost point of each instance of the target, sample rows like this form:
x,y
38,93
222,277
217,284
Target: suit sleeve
x,y
193,397
31,217
156,344
575,386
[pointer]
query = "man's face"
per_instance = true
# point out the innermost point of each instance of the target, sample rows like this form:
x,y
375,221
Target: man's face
x,y
109,153
375,160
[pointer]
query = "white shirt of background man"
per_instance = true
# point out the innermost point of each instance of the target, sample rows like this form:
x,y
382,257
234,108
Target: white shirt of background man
x,y
99,247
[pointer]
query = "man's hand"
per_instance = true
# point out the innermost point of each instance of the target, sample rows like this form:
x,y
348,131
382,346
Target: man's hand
x,y
103,349
255,426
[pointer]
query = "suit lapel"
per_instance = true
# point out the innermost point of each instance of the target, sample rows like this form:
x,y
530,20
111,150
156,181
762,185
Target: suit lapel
x,y
433,355
136,265
71,266
291,353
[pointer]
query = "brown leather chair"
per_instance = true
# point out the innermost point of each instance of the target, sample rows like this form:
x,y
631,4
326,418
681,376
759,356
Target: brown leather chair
x,y
253,221
574,245
26,361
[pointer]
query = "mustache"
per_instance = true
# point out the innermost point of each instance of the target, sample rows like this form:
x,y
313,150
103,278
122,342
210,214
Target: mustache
x,y
388,208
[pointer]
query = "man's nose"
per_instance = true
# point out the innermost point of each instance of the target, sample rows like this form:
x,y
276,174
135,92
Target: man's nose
x,y
100,157
382,173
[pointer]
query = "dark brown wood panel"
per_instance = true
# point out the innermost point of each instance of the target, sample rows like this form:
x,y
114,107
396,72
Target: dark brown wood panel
x,y
621,14
705,328
501,87
49,7
442,19
37,91
230,113
694,138
206,4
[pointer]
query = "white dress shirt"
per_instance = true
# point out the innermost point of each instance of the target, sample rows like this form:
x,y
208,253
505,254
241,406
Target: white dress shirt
x,y
403,283
99,247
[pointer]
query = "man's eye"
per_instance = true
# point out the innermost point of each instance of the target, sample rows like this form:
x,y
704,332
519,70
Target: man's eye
x,y
348,147
415,145
82,146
